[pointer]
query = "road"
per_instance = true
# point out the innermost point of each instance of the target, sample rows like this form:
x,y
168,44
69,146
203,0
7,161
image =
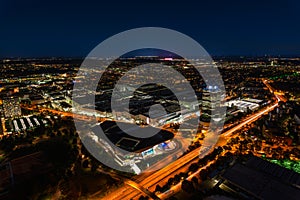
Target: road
x,y
150,181
280,96
63,113
162,175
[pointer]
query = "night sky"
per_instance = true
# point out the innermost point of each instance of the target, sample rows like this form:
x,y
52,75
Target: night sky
x,y
35,28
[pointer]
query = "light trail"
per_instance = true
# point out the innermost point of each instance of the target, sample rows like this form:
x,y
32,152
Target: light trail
x,y
153,179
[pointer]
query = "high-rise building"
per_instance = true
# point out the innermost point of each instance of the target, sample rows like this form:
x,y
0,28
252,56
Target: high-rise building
x,y
211,102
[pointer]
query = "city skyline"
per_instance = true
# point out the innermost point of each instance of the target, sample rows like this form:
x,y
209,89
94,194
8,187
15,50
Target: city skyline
x,y
140,100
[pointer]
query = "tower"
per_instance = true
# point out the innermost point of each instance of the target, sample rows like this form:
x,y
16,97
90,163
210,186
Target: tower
x,y
211,102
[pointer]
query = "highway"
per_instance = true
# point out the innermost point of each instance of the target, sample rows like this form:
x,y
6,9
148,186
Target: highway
x,y
147,180
150,181
278,95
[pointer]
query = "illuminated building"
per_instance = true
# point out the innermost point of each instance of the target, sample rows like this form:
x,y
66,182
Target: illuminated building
x,y
211,100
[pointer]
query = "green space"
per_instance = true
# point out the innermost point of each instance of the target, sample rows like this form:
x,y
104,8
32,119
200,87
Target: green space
x,y
284,75
289,164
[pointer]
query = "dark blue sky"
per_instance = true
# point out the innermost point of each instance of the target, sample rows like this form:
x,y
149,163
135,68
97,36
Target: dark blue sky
x,y
34,28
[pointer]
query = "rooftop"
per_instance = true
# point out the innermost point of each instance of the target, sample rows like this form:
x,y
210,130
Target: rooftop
x,y
264,180
130,143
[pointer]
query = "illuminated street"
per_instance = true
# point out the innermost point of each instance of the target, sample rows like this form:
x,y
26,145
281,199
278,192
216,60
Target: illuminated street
x,y
149,181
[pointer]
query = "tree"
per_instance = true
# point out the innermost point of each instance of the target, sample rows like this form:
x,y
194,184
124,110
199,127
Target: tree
x,y
143,198
85,164
176,179
187,186
195,180
203,174
193,167
183,175
170,181
158,188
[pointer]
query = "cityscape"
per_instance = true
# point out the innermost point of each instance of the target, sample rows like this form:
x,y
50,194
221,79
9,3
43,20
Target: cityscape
x,y
149,100
256,155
